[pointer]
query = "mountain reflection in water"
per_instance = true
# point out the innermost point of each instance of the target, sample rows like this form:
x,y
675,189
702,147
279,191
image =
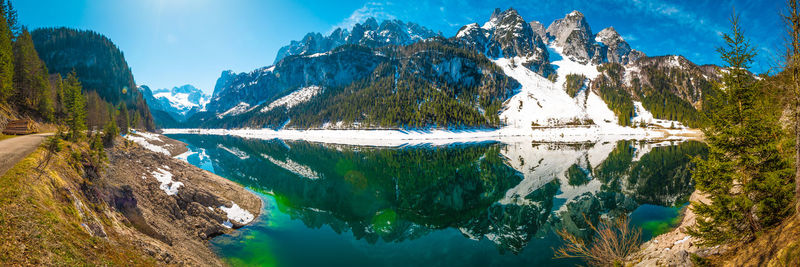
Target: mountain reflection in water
x,y
438,205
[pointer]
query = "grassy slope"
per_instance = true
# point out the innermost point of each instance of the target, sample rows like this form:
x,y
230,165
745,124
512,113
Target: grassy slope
x,y
775,247
40,223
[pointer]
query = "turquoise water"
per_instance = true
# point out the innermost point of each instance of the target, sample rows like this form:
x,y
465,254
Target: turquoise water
x,y
483,204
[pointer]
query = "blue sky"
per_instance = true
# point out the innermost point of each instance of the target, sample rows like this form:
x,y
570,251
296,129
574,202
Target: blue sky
x,y
174,42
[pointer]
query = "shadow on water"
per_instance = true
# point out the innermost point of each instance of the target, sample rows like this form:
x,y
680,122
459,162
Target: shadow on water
x,y
479,204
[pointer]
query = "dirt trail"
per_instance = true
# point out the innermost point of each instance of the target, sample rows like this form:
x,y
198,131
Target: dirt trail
x,y
15,149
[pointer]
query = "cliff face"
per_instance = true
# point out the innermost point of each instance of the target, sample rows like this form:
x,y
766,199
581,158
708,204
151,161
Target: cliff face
x,y
123,212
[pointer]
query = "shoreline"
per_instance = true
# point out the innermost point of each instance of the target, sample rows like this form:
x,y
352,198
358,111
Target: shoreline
x,y
400,137
674,248
177,202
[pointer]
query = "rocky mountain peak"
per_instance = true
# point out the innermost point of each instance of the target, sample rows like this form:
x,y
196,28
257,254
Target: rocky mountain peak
x,y
369,33
371,23
508,35
575,14
571,25
223,81
574,36
538,29
609,35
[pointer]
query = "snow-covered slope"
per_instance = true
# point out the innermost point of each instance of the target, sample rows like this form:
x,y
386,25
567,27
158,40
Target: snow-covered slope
x,y
294,98
543,103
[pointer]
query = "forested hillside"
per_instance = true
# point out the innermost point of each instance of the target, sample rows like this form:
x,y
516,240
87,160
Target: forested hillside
x,y
27,90
670,87
100,67
427,84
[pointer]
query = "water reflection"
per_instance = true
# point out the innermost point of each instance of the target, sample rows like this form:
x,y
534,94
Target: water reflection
x,y
509,194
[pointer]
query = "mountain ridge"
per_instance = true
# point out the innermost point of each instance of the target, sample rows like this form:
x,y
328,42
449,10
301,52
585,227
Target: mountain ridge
x,y
567,47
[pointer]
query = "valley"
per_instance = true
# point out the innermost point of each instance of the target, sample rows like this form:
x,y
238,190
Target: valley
x,y
289,133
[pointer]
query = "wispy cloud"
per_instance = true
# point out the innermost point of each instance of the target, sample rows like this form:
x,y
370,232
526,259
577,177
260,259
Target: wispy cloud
x,y
376,10
672,12
630,37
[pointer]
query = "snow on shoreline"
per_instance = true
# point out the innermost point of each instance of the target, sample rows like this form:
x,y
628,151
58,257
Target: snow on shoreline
x,y
143,138
237,214
394,138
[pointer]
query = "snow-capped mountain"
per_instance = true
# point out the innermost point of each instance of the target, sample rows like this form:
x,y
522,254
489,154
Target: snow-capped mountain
x,y
506,72
179,102
369,33
573,34
508,35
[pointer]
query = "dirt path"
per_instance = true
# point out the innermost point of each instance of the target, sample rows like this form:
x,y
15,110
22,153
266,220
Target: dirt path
x,y
15,149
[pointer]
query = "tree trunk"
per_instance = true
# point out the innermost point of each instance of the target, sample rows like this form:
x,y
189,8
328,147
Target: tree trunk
x,y
793,55
796,138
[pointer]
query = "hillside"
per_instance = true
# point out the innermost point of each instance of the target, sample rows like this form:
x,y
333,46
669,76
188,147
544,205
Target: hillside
x,y
99,65
68,209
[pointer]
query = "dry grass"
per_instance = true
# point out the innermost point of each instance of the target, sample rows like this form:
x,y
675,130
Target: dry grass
x,y
774,247
40,224
5,136
612,243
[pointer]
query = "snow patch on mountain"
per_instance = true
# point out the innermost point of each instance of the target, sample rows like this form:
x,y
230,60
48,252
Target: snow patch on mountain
x,y
181,102
295,98
182,99
242,107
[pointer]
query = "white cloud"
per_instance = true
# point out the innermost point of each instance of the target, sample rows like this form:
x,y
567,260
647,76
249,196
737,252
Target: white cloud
x,y
630,37
370,9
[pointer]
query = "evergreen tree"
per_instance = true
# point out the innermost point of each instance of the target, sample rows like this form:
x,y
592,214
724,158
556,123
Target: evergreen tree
x,y
11,18
75,107
123,120
744,175
6,59
110,131
30,77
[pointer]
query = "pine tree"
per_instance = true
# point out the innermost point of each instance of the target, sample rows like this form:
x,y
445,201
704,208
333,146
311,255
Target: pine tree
x,y
6,59
744,175
30,77
110,131
75,107
123,120
11,18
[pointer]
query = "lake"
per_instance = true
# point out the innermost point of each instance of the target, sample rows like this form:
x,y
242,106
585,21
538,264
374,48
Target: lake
x,y
477,204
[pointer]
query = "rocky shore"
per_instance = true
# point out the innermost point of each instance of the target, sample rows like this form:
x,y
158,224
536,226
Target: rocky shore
x,y
174,207
674,248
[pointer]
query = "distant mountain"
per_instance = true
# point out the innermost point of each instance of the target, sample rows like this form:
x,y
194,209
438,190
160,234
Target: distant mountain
x,y
370,34
99,64
573,34
179,102
506,72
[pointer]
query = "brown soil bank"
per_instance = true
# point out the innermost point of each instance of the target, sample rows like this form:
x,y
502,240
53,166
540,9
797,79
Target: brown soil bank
x,y
74,213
